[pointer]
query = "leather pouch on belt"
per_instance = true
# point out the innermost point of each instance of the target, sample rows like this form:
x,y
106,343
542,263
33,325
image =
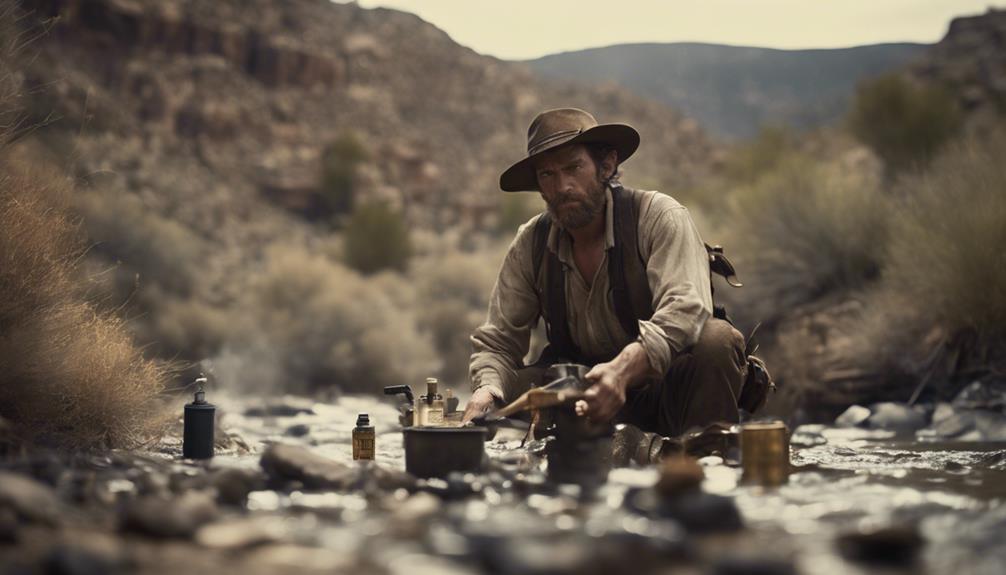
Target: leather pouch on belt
x,y
757,385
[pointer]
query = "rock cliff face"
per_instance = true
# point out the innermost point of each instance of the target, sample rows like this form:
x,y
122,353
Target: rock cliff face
x,y
242,98
971,61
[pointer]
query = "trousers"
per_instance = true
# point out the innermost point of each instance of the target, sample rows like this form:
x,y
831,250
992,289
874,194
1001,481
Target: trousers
x,y
701,386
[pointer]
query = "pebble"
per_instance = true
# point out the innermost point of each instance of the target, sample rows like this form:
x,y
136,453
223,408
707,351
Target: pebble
x,y
895,544
241,533
854,416
298,430
282,407
896,417
681,475
177,517
30,500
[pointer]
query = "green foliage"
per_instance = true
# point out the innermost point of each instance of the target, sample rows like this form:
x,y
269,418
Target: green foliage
x,y
903,122
762,154
948,239
516,209
376,237
807,229
340,163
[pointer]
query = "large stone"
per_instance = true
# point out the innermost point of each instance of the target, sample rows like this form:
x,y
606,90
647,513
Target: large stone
x,y
28,499
896,417
169,517
284,463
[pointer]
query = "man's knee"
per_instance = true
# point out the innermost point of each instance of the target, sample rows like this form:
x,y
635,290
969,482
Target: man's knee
x,y
720,344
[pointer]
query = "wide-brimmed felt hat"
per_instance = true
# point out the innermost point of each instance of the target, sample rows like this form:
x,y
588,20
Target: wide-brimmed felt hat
x,y
554,128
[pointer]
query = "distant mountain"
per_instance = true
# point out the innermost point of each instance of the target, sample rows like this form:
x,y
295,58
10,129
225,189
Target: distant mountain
x,y
732,90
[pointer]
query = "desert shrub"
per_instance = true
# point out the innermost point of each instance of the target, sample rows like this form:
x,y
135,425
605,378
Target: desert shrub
x,y
376,238
310,323
453,294
339,164
157,250
804,230
69,374
948,241
905,123
515,209
760,155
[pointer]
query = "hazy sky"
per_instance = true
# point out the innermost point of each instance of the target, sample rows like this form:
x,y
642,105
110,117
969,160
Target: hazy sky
x,y
519,29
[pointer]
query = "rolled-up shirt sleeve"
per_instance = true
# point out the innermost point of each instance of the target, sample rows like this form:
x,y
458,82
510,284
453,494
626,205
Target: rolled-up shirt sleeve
x,y
500,344
677,268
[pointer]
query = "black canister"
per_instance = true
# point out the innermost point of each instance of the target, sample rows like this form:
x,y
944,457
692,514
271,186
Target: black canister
x,y
198,434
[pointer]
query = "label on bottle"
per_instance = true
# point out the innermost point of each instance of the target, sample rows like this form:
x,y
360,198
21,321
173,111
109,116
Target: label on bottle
x,y
364,445
435,415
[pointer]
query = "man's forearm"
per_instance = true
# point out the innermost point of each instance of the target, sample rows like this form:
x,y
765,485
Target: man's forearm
x,y
633,365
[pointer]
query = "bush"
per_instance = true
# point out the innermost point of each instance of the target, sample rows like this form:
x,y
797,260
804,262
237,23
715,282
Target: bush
x,y
69,374
339,165
309,323
905,123
763,154
804,230
376,238
454,290
948,241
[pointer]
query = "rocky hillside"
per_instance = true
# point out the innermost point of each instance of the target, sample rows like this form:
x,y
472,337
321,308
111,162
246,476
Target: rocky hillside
x,y
733,90
233,103
971,61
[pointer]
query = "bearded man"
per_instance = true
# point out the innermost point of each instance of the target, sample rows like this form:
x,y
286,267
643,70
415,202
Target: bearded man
x,y
621,278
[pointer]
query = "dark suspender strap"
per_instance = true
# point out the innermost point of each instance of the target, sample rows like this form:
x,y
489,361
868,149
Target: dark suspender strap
x,y
554,299
625,261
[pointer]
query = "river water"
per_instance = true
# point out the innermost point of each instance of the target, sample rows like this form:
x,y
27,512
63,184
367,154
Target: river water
x,y
858,501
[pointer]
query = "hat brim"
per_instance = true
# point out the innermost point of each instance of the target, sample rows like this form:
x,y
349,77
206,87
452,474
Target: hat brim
x,y
520,177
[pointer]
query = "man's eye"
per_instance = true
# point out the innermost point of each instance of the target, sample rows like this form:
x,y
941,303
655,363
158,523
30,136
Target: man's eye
x,y
544,173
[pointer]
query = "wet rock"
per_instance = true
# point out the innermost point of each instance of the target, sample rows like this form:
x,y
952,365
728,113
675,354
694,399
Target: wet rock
x,y
854,416
753,566
808,436
285,463
282,407
991,425
233,485
8,525
699,512
896,417
409,518
291,463
897,544
241,533
982,395
679,476
71,559
169,517
951,426
298,430
28,499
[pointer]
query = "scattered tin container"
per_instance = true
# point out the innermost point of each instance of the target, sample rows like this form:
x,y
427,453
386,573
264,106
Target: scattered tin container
x,y
765,453
197,434
438,451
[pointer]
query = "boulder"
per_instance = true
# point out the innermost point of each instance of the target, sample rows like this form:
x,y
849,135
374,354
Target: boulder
x,y
166,517
896,417
28,499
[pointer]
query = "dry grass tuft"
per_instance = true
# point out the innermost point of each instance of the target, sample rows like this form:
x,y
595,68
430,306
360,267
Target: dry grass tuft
x,y
69,375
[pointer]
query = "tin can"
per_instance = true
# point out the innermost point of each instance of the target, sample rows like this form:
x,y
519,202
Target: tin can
x,y
765,453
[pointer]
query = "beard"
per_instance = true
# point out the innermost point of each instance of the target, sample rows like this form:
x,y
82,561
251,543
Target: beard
x,y
574,213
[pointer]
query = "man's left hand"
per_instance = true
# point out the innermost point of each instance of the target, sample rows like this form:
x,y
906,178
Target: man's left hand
x,y
606,396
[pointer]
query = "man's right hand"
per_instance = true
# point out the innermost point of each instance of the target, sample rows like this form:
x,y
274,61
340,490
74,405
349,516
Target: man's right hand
x,y
482,402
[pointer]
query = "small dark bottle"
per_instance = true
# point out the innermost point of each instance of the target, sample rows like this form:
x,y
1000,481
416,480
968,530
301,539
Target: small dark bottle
x,y
197,438
364,439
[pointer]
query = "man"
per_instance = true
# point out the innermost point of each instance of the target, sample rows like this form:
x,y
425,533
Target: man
x,y
621,278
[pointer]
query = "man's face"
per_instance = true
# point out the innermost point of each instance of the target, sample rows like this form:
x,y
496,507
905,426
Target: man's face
x,y
571,185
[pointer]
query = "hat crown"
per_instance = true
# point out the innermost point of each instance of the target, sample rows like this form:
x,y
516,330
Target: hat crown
x,y
557,125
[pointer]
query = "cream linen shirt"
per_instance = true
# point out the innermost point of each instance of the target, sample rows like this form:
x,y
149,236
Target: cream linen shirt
x,y
677,268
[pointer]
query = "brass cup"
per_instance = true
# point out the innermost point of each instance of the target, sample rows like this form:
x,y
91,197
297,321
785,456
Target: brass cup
x,y
765,453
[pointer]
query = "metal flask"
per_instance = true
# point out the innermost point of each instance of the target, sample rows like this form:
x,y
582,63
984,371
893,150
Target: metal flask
x,y
197,438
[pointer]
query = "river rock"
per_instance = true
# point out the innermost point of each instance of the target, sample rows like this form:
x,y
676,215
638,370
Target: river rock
x,y
241,533
896,417
69,559
808,435
282,407
680,475
284,463
896,544
30,500
982,395
169,517
233,485
298,430
699,512
8,525
753,566
854,416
